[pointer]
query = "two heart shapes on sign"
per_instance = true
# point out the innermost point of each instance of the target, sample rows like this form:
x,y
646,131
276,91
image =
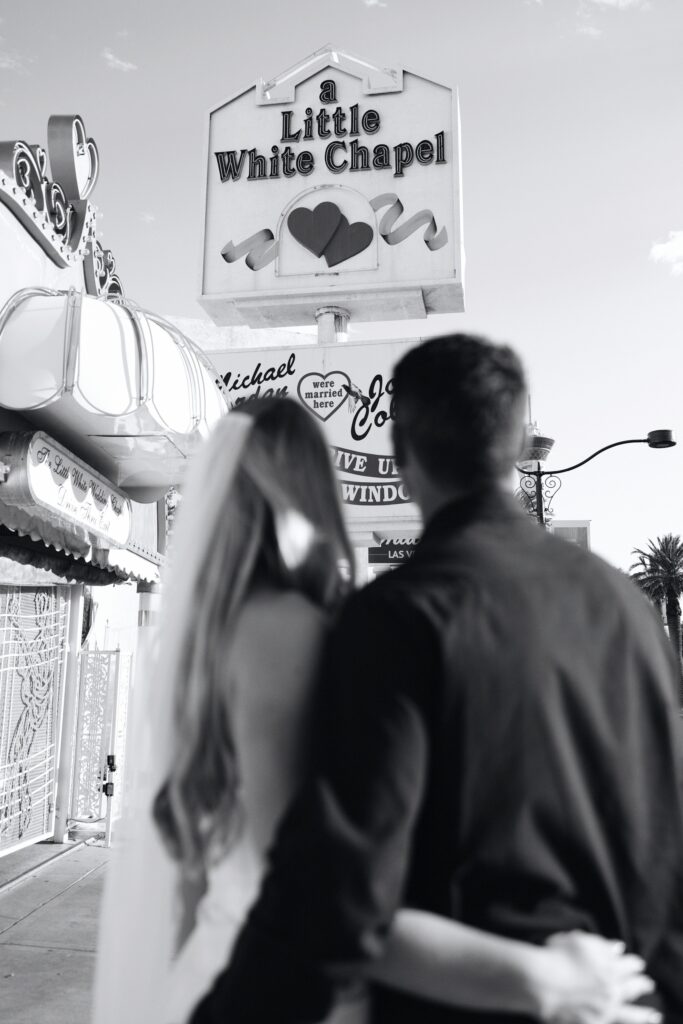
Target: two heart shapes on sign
x,y
325,231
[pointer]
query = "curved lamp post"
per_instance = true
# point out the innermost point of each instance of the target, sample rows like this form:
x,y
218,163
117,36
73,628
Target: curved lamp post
x,y
539,486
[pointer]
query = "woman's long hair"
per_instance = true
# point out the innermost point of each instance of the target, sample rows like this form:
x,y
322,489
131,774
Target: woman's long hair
x,y
260,508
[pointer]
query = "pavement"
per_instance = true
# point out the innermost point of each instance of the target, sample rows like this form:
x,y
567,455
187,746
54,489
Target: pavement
x,y
49,903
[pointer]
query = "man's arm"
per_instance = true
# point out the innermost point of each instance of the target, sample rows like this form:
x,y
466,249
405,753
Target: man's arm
x,y
339,862
666,966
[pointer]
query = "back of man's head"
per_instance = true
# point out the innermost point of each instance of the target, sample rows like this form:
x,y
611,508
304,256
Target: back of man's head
x,y
459,405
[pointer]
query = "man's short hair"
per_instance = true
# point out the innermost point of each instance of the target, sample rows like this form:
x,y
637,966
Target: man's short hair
x,y
459,404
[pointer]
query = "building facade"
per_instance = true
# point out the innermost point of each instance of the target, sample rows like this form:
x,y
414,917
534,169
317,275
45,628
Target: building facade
x,y
101,403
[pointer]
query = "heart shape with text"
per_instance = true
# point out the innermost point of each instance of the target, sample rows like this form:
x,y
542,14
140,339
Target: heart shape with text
x,y
324,393
325,231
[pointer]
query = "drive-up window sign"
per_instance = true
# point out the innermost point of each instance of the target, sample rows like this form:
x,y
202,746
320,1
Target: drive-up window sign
x,y
349,389
337,183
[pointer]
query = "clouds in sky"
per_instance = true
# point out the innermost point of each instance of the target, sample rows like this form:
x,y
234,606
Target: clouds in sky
x,y
147,217
588,8
115,63
621,5
10,60
375,3
587,28
670,252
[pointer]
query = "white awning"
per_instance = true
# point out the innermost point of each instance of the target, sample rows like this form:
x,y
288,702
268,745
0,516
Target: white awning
x,y
73,540
124,389
64,551
128,565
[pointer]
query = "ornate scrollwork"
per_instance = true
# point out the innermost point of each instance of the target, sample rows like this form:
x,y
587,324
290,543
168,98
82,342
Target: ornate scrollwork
x,y
100,272
97,679
30,171
38,641
58,213
528,493
74,158
30,174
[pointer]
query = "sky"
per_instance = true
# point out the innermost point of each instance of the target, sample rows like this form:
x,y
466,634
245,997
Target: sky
x,y
572,153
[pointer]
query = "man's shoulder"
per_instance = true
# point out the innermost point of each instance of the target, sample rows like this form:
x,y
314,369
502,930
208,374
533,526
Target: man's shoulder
x,y
378,595
388,604
506,557
579,577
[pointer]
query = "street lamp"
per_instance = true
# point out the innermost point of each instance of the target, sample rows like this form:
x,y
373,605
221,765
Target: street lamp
x,y
539,486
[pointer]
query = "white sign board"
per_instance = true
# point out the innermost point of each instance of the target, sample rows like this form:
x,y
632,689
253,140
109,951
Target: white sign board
x,y
349,389
336,183
44,477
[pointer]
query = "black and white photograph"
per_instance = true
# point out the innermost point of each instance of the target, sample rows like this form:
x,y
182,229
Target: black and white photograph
x,y
341,512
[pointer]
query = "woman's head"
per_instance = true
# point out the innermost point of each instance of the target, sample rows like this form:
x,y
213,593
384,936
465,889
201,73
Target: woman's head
x,y
259,508
286,475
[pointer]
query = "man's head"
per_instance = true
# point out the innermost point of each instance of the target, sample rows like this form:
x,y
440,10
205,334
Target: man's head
x,y
459,408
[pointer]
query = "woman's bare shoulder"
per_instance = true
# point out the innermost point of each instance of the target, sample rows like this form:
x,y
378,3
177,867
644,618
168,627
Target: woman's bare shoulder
x,y
266,607
279,628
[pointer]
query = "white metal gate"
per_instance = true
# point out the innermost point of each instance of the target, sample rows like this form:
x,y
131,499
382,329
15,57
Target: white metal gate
x,y
102,716
33,649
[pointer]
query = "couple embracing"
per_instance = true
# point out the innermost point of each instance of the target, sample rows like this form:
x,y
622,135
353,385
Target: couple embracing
x,y
452,795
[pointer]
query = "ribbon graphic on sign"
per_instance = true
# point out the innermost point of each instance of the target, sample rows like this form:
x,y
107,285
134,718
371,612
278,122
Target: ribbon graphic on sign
x,y
260,250
433,239
317,230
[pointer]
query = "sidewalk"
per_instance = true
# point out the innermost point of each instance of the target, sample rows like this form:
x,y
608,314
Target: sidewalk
x,y
48,931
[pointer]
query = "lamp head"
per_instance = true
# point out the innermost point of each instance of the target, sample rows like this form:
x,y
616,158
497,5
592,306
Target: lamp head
x,y
661,439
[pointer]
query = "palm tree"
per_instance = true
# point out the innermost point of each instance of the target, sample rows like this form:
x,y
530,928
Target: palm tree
x,y
659,573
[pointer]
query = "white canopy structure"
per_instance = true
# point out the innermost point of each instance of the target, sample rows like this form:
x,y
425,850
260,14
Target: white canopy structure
x,y
122,388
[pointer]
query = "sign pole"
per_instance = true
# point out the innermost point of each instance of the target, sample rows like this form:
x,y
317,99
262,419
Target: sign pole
x,y
333,325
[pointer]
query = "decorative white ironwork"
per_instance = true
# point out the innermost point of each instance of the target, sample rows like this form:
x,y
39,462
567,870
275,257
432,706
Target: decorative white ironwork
x,y
97,680
33,628
121,730
102,717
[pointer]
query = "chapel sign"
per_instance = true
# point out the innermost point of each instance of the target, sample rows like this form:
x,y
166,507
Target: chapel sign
x,y
335,183
349,389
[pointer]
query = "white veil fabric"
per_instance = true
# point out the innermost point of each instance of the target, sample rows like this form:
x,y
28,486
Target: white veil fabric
x,y
140,908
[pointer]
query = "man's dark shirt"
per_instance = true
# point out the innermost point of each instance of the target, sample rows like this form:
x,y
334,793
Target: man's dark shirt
x,y
499,744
